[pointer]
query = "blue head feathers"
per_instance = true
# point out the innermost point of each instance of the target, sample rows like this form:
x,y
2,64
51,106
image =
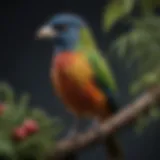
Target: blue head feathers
x,y
63,29
68,19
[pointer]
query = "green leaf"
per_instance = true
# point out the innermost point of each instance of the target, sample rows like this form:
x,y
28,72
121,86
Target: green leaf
x,y
155,112
24,100
6,93
122,44
148,6
115,10
145,81
141,123
150,78
135,87
6,147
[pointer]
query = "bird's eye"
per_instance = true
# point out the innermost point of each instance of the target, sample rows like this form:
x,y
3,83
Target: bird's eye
x,y
60,27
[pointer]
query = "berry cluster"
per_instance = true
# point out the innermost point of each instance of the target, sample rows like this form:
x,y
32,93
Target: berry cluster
x,y
26,132
28,128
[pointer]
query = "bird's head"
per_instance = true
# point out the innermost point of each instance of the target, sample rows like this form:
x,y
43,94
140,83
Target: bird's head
x,y
62,28
66,30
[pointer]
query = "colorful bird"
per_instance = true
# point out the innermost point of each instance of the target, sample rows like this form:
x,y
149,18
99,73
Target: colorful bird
x,y
80,75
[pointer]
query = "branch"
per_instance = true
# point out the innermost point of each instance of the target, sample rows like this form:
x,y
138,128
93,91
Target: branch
x,y
121,119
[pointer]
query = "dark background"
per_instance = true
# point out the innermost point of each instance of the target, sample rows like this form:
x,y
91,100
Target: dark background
x,y
24,63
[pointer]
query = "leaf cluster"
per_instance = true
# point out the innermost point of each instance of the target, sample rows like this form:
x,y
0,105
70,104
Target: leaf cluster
x,y
139,47
34,147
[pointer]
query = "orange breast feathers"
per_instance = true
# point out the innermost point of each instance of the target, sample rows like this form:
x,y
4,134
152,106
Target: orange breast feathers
x,y
74,66
72,77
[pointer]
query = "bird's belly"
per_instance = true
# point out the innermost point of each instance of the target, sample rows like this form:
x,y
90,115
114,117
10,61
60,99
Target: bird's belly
x,y
79,100
72,78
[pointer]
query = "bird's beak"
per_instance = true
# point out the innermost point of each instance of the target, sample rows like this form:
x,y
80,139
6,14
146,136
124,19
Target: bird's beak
x,y
46,32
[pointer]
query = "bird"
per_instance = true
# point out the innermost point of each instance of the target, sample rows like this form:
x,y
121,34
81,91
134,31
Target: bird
x,y
81,77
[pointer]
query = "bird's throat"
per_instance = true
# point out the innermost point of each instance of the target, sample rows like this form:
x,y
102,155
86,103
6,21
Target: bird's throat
x,y
65,46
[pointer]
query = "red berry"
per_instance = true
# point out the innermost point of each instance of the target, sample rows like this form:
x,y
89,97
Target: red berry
x,y
31,126
19,133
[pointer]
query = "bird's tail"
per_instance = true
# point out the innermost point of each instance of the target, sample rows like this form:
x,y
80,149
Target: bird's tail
x,y
113,148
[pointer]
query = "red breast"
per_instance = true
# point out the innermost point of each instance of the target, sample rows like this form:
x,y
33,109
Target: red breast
x,y
63,59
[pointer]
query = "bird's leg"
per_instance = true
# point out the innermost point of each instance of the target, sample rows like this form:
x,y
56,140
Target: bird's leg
x,y
74,130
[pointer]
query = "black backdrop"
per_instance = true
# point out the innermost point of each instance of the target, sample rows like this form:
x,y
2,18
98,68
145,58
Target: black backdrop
x,y
24,63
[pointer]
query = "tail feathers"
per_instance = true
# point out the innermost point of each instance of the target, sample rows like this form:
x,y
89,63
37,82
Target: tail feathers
x,y
113,104
113,149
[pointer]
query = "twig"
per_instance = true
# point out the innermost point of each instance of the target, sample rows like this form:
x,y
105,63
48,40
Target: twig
x,y
121,119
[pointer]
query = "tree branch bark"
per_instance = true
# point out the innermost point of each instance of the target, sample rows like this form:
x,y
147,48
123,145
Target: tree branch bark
x,y
121,119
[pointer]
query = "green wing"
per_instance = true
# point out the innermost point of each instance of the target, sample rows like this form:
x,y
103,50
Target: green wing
x,y
103,72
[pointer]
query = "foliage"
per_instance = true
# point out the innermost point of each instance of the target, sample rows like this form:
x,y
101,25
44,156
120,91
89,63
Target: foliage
x,y
116,10
12,116
148,6
145,119
139,47
143,41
